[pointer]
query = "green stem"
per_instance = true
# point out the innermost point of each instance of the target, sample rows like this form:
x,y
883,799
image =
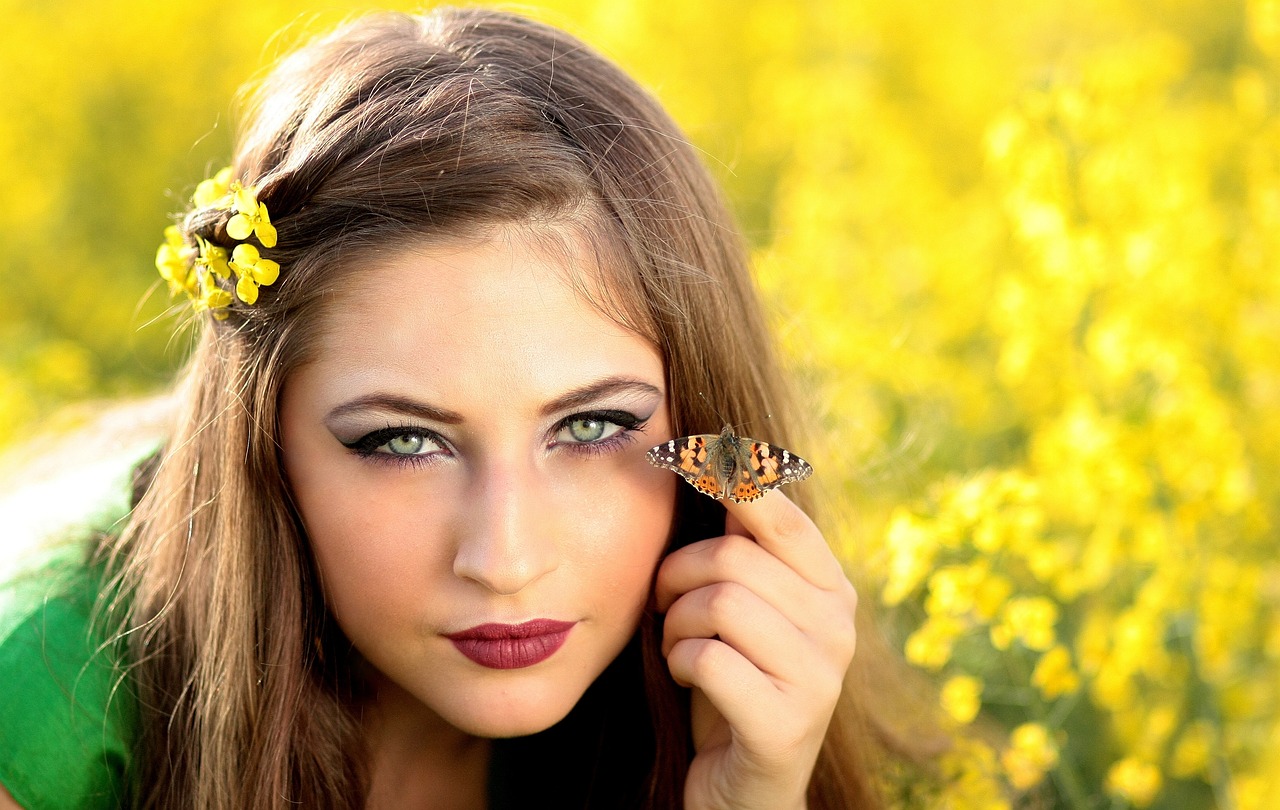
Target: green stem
x,y
1070,786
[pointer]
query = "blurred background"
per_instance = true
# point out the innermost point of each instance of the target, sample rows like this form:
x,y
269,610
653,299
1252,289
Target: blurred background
x,y
1024,257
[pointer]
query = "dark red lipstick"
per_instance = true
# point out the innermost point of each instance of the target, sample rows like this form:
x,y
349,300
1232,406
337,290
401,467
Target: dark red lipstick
x,y
511,646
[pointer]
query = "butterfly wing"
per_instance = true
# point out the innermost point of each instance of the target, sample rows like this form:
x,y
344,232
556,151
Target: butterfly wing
x,y
763,467
698,459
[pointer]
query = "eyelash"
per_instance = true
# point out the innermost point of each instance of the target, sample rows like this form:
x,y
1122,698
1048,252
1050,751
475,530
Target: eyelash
x,y
367,446
629,422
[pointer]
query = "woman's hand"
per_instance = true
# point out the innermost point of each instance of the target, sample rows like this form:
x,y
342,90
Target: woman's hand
x,y
760,624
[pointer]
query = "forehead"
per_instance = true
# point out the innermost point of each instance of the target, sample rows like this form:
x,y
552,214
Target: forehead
x,y
512,303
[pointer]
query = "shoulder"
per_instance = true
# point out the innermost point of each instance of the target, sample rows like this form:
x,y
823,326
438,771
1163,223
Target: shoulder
x,y
66,714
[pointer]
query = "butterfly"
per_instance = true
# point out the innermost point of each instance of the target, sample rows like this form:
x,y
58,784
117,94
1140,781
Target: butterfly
x,y
740,469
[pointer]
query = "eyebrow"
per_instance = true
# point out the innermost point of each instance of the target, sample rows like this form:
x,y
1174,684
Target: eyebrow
x,y
398,404
590,393
580,397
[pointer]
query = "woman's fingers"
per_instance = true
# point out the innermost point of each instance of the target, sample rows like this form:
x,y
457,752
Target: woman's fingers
x,y
735,615
760,623
785,531
741,617
731,557
826,617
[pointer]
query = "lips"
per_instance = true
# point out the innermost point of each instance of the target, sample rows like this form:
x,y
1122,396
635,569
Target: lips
x,y
512,646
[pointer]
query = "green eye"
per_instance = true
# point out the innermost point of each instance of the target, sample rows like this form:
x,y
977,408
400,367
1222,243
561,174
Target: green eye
x,y
595,430
406,444
399,444
587,430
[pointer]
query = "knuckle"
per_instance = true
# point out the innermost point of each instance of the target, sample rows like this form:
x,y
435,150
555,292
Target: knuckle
x,y
673,619
838,634
702,657
790,525
727,555
725,600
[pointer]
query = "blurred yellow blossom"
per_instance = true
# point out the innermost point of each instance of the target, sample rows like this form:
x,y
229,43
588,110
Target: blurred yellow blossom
x,y
1030,755
1029,620
972,778
962,698
1054,675
912,547
173,261
1134,781
214,191
931,645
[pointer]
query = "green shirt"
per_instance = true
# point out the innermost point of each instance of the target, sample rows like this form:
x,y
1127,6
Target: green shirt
x,y
66,723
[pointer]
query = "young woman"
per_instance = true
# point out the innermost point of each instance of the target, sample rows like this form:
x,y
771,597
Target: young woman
x,y
402,546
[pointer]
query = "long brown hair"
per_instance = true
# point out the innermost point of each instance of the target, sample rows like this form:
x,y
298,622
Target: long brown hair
x,y
398,128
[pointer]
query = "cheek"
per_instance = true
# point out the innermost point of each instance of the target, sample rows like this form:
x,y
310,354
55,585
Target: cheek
x,y
625,533
372,540
378,565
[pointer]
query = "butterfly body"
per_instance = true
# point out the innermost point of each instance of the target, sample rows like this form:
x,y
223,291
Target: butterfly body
x,y
729,466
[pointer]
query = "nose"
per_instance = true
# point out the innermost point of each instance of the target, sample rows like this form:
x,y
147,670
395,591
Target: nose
x,y
509,541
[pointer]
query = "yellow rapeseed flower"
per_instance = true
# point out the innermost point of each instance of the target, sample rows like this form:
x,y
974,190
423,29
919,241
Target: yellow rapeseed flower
x,y
930,646
1054,676
173,261
972,777
1028,619
1031,754
1135,781
951,589
215,191
993,591
212,259
912,548
250,217
962,698
214,299
252,270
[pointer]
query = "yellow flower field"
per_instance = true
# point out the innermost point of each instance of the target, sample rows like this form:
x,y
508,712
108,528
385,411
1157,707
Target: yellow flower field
x,y
1024,256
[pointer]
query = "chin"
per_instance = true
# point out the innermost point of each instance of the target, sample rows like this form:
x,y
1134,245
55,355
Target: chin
x,y
517,719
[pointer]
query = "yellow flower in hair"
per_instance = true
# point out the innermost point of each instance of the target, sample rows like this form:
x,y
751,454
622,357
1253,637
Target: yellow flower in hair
x,y
214,299
252,270
214,192
250,217
197,270
173,260
213,259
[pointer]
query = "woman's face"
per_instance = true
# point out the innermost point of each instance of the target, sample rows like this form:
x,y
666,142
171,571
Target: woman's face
x,y
467,451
